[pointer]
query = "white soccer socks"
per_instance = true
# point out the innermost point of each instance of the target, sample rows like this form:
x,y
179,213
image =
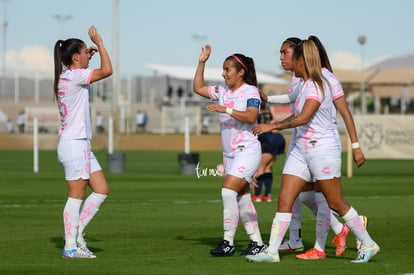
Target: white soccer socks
x,y
356,225
71,222
230,214
280,225
89,209
249,218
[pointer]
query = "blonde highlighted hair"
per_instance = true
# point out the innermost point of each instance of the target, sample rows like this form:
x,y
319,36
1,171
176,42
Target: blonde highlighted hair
x,y
310,54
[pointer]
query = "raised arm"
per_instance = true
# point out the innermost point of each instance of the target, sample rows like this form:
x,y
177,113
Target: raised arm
x,y
106,67
199,86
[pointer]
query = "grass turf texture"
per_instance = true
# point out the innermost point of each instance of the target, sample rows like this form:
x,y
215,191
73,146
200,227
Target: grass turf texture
x,y
156,221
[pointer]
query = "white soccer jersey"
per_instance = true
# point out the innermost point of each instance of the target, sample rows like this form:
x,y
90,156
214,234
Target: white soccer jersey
x,y
236,135
334,87
321,129
73,101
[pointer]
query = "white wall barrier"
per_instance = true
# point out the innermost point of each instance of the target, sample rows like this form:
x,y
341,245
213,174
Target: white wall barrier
x,y
386,136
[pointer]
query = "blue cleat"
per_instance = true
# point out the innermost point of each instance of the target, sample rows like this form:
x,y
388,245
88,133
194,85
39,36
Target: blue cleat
x,y
366,253
264,257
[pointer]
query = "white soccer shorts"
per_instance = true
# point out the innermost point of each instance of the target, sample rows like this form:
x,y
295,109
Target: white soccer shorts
x,y
77,159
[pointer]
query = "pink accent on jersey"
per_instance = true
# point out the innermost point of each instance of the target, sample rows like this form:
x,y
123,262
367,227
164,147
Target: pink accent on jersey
x,y
229,104
235,134
322,126
73,102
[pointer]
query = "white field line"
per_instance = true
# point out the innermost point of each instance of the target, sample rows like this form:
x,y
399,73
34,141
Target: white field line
x,y
48,203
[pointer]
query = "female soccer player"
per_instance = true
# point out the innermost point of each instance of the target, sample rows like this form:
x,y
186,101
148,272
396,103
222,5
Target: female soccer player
x,y
71,87
316,153
238,105
315,200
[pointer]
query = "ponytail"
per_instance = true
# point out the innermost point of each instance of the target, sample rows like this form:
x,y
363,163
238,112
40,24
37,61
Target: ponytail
x,y
308,50
322,53
63,52
58,65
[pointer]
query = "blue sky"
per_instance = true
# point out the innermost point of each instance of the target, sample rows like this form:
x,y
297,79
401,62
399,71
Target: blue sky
x,y
162,31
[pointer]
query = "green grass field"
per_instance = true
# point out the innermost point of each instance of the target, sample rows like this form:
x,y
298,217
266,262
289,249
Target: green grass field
x,y
156,221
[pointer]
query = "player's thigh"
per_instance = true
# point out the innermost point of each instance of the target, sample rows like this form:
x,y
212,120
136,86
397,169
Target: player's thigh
x,y
290,188
77,188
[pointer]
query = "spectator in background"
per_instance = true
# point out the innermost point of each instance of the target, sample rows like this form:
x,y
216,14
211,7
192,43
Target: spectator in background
x,y
180,92
20,122
99,123
145,122
140,121
206,122
10,126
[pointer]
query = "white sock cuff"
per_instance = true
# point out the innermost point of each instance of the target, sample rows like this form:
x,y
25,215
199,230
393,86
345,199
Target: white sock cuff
x,y
74,201
225,192
244,197
351,214
100,196
284,217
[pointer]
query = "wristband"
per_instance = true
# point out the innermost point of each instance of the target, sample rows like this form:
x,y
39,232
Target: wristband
x,y
355,145
229,111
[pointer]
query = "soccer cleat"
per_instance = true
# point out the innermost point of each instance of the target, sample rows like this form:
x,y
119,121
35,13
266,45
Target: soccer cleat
x,y
76,253
81,244
365,221
312,254
253,249
264,256
83,247
287,247
257,198
223,249
267,198
366,253
340,240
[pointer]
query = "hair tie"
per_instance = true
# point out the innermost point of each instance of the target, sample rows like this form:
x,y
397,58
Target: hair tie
x,y
241,63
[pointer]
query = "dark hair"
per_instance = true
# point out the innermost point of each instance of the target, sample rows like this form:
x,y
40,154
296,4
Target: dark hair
x,y
242,62
292,41
63,52
322,52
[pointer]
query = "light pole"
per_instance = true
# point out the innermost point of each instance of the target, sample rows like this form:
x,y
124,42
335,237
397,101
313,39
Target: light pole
x,y
62,19
3,61
116,80
362,39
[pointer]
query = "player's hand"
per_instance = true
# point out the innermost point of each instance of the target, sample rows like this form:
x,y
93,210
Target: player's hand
x,y
94,35
358,156
263,97
262,128
92,50
205,53
216,108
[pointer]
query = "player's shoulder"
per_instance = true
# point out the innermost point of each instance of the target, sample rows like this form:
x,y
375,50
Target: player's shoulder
x,y
250,88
